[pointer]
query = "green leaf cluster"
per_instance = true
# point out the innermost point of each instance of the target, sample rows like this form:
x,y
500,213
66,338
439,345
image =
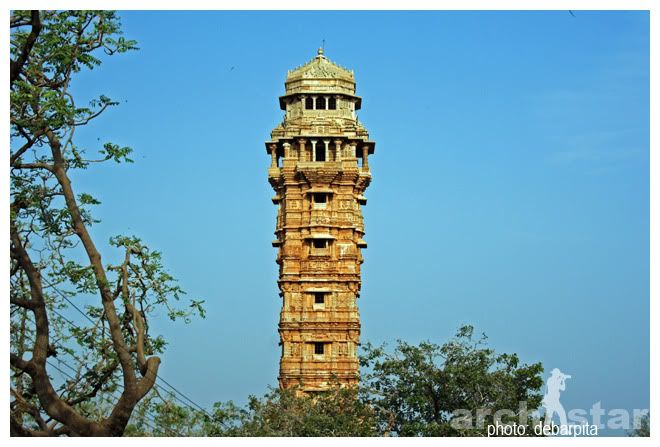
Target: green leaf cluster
x,y
413,390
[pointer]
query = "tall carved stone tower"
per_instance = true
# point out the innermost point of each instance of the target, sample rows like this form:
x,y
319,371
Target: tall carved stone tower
x,y
319,172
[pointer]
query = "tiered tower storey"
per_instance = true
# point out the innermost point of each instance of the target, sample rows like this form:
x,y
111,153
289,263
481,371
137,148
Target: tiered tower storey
x,y
319,171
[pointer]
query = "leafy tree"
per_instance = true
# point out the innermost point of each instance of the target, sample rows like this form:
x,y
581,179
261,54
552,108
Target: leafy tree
x,y
642,427
421,390
56,266
431,390
162,415
336,412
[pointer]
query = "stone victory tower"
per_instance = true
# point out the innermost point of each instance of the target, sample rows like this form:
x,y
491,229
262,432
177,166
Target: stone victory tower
x,y
319,171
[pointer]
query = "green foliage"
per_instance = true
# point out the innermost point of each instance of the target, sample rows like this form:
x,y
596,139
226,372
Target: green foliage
x,y
69,42
49,221
422,390
150,282
642,427
337,412
112,151
417,390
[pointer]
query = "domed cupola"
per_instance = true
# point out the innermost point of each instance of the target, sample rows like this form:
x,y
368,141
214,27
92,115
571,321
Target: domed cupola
x,y
322,78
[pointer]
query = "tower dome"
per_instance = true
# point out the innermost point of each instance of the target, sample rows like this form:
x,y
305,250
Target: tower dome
x,y
320,76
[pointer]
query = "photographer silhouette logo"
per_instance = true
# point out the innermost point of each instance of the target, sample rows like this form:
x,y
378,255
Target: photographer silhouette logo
x,y
574,422
554,386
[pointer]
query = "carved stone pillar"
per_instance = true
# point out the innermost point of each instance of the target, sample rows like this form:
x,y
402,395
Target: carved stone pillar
x,y
287,150
301,150
326,143
273,155
337,150
365,156
314,141
353,150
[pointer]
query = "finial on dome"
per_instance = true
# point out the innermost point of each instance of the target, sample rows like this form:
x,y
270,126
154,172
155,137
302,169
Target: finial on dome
x,y
319,53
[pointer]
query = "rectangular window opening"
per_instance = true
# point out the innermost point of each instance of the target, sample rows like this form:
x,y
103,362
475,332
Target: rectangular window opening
x,y
320,243
320,152
319,298
319,348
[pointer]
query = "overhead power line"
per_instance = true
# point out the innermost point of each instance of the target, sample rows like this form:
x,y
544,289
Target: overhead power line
x,y
195,406
148,416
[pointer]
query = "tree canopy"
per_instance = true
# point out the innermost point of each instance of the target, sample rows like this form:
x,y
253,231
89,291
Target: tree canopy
x,y
67,306
413,390
433,390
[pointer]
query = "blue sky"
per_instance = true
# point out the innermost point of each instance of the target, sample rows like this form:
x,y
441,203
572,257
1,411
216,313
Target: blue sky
x,y
510,183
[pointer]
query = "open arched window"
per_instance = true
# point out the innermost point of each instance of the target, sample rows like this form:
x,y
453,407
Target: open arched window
x,y
309,103
320,103
332,103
